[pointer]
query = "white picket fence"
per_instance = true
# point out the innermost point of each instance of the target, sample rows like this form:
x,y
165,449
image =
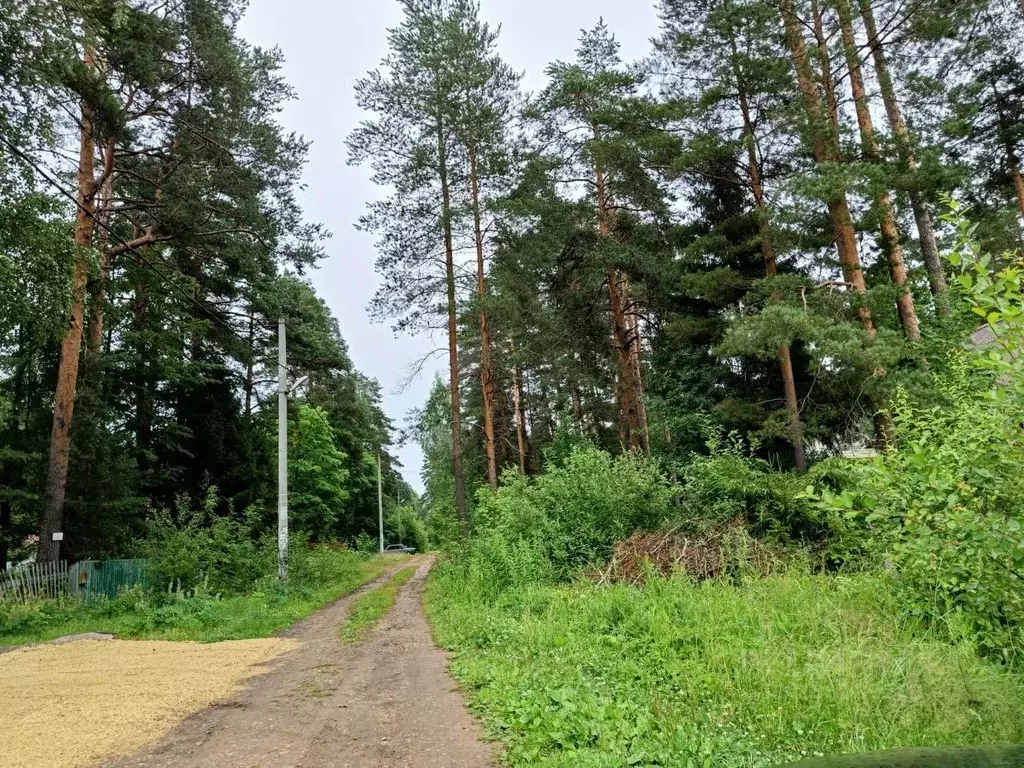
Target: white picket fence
x,y
30,582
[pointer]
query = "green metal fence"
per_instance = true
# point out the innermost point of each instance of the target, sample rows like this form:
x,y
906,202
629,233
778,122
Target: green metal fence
x,y
105,578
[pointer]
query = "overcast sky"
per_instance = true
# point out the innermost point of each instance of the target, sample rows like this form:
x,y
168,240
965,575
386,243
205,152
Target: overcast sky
x,y
328,44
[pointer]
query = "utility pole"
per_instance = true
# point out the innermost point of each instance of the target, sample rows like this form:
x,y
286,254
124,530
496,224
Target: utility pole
x,y
282,453
380,502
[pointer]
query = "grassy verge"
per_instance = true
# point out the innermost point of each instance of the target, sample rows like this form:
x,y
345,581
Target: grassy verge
x,y
370,608
730,676
270,608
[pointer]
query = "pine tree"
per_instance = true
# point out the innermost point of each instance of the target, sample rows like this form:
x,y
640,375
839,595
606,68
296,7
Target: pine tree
x,y
739,103
411,145
102,117
822,129
908,160
601,134
872,154
487,98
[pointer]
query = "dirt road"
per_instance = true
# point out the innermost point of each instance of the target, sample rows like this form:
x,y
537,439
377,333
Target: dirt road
x,y
386,703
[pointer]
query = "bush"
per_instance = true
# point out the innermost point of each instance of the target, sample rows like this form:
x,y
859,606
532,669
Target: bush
x,y
404,526
315,566
367,544
731,484
946,509
572,515
24,618
194,548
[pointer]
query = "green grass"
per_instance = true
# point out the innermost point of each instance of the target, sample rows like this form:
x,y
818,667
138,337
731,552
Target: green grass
x,y
370,608
137,614
714,676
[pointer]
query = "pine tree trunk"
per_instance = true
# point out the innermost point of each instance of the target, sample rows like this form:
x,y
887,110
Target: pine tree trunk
x,y
909,163
636,358
517,405
486,368
143,395
71,342
249,362
627,389
577,408
1018,179
98,288
453,331
796,427
502,421
825,141
890,228
846,237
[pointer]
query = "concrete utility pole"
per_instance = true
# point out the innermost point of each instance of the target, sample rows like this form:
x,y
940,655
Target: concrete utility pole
x,y
380,503
282,453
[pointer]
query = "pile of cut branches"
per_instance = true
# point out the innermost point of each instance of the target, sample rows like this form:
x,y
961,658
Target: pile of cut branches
x,y
707,554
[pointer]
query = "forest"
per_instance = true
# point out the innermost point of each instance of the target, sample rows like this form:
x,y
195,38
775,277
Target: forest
x,y
151,238
726,455
724,467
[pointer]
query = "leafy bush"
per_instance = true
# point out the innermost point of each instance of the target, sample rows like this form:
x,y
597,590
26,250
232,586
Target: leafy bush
x,y
25,618
731,484
946,509
573,514
367,544
312,566
191,548
405,526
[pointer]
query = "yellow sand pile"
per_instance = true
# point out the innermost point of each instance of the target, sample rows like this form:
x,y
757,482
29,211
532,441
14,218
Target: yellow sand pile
x,y
73,705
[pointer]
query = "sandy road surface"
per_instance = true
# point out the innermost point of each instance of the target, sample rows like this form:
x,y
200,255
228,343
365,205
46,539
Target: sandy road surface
x,y
68,706
386,703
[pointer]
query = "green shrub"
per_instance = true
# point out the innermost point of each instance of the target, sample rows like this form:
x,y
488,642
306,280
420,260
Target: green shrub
x,y
192,548
732,483
728,485
314,566
404,526
367,544
573,514
25,618
946,509
945,506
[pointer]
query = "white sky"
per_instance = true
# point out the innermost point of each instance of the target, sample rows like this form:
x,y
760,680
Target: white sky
x,y
328,44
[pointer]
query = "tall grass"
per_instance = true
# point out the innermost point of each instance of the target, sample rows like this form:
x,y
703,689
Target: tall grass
x,y
718,674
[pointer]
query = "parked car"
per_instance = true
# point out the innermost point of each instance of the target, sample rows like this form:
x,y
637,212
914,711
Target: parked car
x,y
400,549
